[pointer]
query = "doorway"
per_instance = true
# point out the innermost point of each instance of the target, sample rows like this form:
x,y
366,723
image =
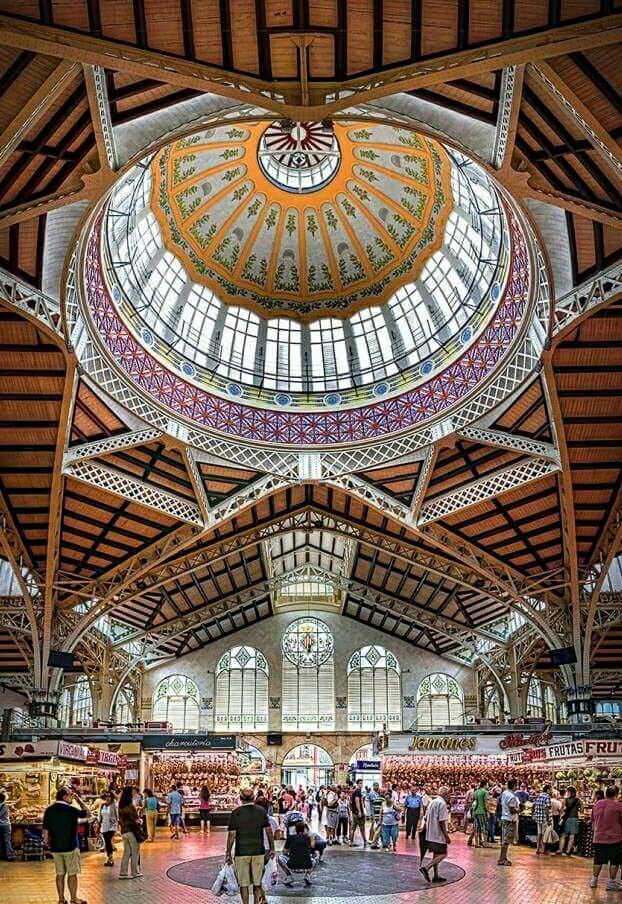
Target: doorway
x,y
307,766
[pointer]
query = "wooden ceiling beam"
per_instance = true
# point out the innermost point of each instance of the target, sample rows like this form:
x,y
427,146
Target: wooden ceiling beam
x,y
76,47
34,108
607,148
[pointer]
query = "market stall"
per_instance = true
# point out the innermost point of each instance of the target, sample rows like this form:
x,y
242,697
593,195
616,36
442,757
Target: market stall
x,y
193,761
462,761
31,774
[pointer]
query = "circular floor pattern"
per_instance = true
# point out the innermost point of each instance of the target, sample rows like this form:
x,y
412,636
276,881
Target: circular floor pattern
x,y
365,874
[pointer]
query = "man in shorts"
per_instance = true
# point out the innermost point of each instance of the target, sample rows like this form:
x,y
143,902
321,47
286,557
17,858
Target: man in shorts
x,y
358,813
247,824
60,824
607,837
175,800
436,835
509,813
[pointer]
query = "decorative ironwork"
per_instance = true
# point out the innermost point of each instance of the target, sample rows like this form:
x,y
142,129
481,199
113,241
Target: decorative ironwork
x,y
504,117
308,643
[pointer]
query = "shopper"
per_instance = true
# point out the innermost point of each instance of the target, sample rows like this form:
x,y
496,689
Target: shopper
x,y
247,824
390,816
542,816
6,848
357,813
375,804
131,832
480,812
343,819
491,809
297,854
205,807
175,801
151,813
412,805
109,823
436,835
570,822
331,815
509,814
607,837
469,820
60,826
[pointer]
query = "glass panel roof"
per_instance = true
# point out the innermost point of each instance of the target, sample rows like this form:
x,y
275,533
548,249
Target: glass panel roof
x,y
234,350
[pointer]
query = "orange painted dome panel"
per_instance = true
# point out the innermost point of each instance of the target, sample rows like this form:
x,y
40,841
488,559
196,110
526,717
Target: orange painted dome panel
x,y
302,220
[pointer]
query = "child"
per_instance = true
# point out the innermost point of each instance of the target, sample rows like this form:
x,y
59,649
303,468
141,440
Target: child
x,y
343,813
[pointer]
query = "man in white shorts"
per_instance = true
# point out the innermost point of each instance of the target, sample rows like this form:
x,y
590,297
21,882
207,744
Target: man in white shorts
x,y
60,823
509,818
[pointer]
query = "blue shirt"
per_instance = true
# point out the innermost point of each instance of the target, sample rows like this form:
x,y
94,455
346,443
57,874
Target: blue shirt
x,y
413,800
175,800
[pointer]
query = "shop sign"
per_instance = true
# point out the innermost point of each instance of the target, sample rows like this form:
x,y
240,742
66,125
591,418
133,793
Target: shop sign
x,y
515,759
189,742
444,742
531,754
605,747
72,751
521,740
24,750
571,748
99,757
368,765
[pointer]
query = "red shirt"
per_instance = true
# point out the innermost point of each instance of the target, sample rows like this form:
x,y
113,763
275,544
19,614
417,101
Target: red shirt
x,y
607,821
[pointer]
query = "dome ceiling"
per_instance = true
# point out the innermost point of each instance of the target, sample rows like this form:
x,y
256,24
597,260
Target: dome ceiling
x,y
302,219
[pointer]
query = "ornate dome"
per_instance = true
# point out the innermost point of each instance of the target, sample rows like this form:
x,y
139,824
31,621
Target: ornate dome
x,y
255,273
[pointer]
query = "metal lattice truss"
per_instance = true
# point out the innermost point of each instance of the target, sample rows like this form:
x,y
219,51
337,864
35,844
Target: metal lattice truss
x,y
41,309
98,447
135,490
506,104
511,442
594,293
485,488
95,78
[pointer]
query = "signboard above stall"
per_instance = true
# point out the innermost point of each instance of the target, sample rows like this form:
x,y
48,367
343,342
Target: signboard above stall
x,y
28,751
182,742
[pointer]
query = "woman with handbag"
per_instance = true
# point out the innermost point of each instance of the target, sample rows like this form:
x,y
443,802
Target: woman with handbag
x,y
132,833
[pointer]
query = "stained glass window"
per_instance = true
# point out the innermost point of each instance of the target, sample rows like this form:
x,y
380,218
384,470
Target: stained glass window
x,y
440,702
241,690
374,690
176,701
308,699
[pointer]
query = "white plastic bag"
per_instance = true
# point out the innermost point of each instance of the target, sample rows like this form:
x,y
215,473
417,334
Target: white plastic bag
x,y
550,836
230,886
270,875
217,887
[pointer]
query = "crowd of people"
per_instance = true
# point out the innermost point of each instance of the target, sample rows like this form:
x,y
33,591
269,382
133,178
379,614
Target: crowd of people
x,y
352,815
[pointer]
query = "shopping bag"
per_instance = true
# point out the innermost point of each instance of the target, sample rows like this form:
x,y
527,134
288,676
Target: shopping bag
x,y
270,875
550,836
217,887
230,886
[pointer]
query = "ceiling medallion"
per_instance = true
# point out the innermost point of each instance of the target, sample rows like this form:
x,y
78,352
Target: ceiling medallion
x,y
299,156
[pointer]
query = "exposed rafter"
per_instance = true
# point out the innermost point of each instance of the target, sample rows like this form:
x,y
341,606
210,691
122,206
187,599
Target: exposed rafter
x,y
63,73
100,447
599,291
507,116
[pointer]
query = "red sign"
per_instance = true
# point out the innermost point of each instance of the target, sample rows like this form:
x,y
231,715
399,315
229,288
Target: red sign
x,y
521,740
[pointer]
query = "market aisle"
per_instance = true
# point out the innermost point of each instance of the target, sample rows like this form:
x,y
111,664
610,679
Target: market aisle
x,y
547,880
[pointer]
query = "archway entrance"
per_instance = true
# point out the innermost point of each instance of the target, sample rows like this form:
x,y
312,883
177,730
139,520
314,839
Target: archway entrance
x,y
308,766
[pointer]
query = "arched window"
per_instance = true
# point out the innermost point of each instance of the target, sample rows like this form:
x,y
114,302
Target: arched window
x,y
440,702
374,690
492,708
176,700
535,701
242,690
550,704
308,676
124,706
76,704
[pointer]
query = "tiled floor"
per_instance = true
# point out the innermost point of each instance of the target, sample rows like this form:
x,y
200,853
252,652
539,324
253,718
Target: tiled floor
x,y
542,880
